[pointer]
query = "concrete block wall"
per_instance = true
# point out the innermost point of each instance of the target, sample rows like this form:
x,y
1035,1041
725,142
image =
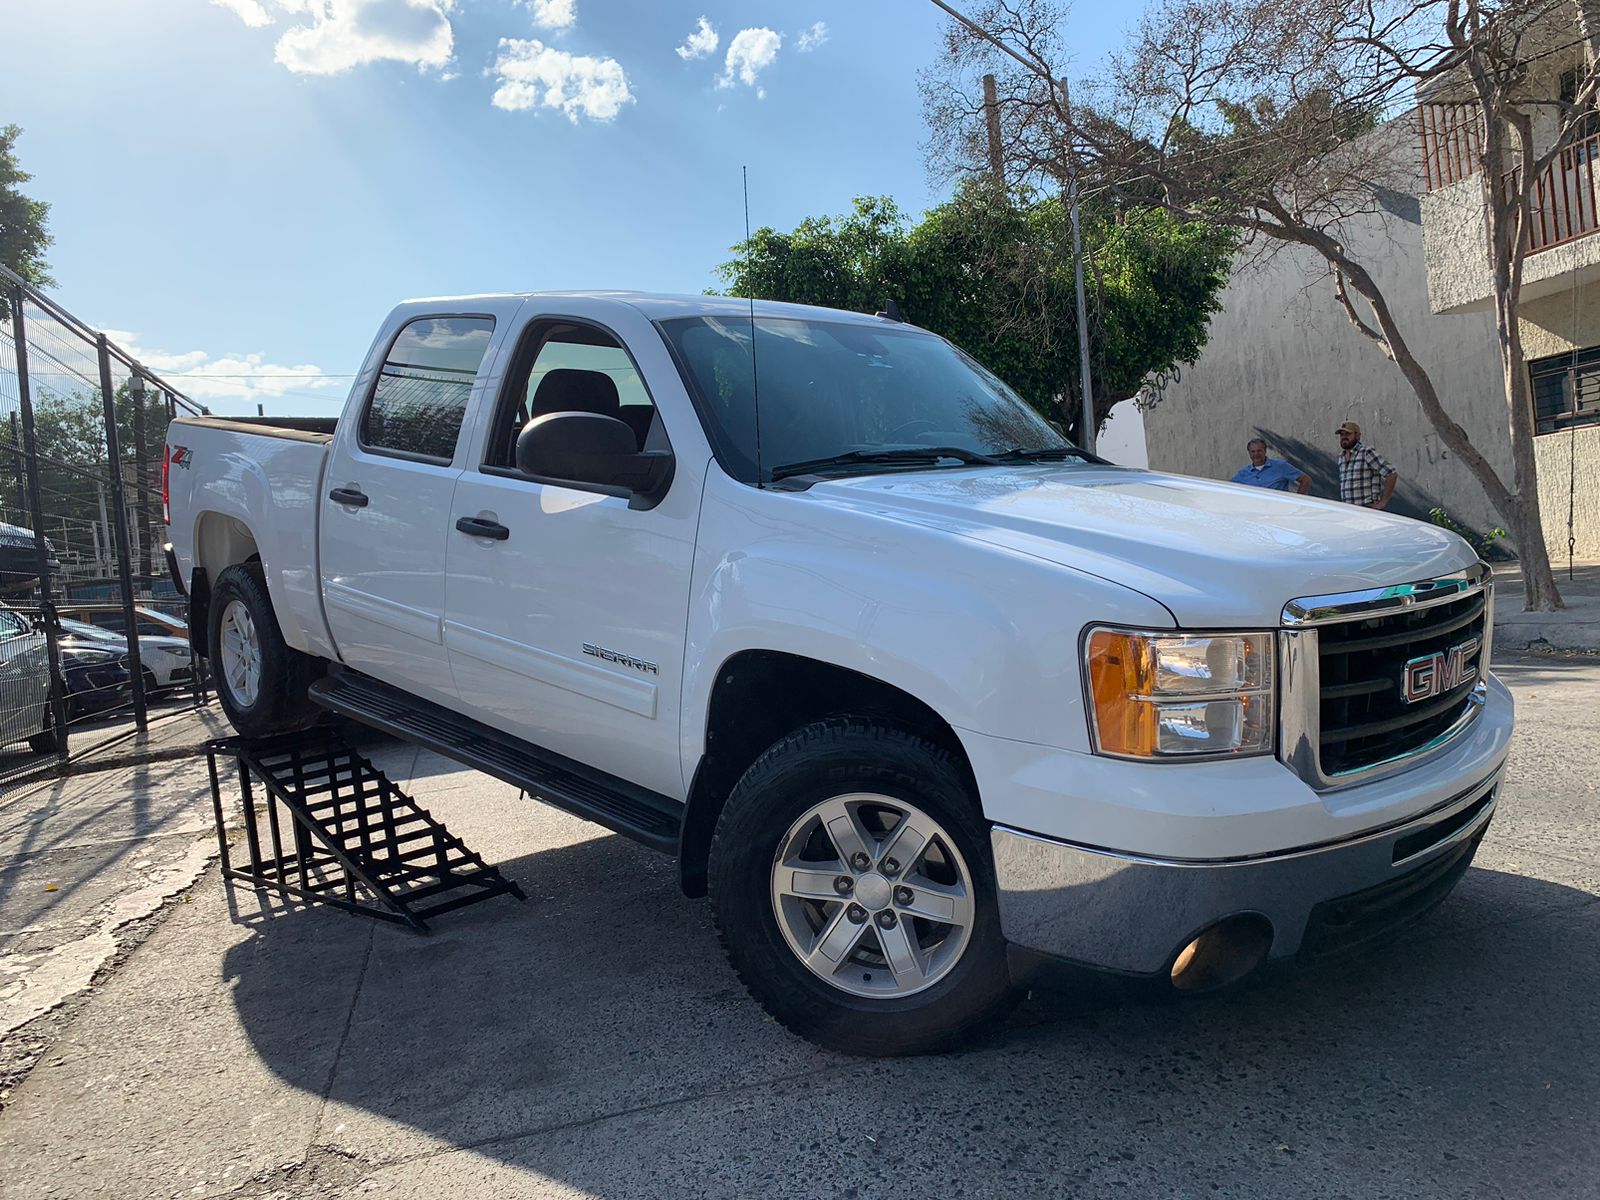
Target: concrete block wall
x,y
1283,362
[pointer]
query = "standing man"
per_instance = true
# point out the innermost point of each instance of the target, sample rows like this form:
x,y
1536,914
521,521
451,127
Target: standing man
x,y
1365,476
1271,473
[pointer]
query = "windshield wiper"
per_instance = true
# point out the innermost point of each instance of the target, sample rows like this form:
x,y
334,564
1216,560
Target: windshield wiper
x,y
908,454
1050,454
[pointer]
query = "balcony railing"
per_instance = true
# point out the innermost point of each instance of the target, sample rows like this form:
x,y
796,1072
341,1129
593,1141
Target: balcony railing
x,y
1564,197
1452,142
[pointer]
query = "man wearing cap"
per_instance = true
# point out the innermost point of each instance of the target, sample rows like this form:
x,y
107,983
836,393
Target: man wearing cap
x,y
1365,476
1271,473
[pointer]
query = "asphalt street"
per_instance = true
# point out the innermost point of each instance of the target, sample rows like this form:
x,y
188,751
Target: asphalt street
x,y
591,1041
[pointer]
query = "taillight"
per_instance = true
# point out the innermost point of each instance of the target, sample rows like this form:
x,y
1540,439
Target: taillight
x,y
166,489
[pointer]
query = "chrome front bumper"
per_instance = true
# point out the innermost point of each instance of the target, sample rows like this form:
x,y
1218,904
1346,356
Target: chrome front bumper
x,y
1131,914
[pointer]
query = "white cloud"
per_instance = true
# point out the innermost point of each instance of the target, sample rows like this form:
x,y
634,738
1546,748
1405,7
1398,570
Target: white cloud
x,y
232,379
701,42
533,75
812,38
351,33
749,53
554,14
248,11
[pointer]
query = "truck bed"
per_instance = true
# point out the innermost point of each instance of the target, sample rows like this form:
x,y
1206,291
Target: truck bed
x,y
303,429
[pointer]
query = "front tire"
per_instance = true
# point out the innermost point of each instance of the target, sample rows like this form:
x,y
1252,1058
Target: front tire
x,y
854,892
261,681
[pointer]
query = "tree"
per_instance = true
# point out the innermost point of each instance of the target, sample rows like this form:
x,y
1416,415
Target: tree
x,y
69,431
1253,114
23,236
993,273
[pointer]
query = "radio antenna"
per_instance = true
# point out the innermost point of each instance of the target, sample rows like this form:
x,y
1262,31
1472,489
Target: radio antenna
x,y
750,291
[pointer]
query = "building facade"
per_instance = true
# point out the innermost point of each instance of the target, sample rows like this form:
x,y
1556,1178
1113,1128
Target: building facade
x,y
1283,361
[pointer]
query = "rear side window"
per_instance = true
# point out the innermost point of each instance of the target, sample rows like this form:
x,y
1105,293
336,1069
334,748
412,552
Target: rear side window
x,y
420,399
11,626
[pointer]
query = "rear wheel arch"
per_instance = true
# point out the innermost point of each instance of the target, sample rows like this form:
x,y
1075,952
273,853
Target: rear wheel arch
x,y
762,696
220,542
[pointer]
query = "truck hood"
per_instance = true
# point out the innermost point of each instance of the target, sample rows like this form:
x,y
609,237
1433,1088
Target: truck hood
x,y
1215,554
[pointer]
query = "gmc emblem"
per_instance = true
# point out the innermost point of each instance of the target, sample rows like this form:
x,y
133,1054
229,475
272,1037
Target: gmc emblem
x,y
1438,673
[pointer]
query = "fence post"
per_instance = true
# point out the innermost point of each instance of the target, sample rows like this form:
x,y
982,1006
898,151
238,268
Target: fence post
x,y
17,464
119,518
141,478
58,681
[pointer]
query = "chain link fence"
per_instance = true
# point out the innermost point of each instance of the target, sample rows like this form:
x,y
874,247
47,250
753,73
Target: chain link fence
x,y
93,630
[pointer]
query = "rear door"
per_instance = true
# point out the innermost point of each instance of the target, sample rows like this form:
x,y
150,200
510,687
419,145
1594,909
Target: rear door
x,y
387,494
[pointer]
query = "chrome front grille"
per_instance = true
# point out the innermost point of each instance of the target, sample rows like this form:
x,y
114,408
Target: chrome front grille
x,y
1378,679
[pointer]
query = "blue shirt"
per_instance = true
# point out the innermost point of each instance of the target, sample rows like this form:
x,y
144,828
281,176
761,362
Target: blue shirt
x,y
1274,473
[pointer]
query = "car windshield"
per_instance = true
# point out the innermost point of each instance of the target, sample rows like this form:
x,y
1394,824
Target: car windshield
x,y
90,633
832,388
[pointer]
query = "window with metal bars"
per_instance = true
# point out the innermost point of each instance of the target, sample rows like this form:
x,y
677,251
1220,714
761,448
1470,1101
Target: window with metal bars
x,y
1566,390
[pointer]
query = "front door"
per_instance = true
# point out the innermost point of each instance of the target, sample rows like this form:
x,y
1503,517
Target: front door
x,y
567,629
386,506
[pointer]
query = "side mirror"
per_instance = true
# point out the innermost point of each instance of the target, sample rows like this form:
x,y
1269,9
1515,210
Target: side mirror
x,y
594,450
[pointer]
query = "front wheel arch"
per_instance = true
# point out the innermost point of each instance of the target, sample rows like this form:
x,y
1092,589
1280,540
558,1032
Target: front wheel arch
x,y
763,696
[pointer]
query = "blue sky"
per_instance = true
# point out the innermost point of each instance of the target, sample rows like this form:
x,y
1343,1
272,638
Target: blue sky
x,y
243,188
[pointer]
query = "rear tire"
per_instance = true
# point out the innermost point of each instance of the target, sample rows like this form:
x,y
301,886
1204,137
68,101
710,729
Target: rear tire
x,y
781,859
261,681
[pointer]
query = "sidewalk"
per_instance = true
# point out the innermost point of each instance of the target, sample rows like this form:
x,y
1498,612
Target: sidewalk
x,y
1575,628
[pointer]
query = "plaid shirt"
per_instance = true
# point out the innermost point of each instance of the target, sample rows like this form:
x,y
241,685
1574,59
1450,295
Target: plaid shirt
x,y
1361,474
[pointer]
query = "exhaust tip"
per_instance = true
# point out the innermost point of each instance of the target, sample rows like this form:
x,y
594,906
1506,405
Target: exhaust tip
x,y
1223,953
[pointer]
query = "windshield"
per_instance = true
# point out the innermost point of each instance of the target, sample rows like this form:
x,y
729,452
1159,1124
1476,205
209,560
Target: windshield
x,y
90,633
830,388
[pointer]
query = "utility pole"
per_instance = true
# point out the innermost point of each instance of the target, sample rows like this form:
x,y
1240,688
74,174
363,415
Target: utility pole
x,y
991,113
1086,433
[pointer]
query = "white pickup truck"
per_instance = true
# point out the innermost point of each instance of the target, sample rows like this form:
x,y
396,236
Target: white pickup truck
x,y
922,694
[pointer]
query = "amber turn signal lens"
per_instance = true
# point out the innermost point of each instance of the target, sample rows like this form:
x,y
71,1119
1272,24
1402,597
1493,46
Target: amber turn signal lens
x,y
1122,668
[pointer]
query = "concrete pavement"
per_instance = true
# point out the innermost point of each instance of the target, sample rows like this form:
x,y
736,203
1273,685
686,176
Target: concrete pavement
x,y
1577,627
591,1042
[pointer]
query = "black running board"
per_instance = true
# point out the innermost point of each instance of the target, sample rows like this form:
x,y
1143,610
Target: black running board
x,y
631,810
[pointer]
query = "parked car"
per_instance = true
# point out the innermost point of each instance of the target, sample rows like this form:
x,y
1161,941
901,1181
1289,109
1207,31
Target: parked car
x,y
918,690
151,622
19,562
24,684
167,661
96,673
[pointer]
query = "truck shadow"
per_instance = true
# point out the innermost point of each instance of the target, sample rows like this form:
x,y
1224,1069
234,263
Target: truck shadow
x,y
594,1036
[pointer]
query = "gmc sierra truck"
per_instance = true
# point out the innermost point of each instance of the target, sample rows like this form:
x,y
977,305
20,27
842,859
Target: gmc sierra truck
x,y
920,693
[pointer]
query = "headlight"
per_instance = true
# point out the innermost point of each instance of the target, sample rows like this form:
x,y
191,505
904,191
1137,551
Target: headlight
x,y
86,656
1171,695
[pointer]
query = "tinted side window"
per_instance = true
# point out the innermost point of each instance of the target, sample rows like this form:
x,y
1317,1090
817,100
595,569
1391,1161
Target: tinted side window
x,y
11,626
421,393
572,368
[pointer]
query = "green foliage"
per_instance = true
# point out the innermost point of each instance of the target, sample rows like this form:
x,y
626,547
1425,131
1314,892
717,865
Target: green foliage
x,y
1483,543
995,277
69,430
23,236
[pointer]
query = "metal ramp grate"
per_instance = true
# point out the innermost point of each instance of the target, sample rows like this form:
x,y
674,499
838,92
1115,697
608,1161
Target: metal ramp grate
x,y
354,839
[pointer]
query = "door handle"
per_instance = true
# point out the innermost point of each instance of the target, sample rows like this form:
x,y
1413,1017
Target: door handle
x,y
484,529
351,496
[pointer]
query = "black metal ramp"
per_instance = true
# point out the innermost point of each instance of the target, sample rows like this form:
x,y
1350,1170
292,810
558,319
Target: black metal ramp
x,y
354,839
